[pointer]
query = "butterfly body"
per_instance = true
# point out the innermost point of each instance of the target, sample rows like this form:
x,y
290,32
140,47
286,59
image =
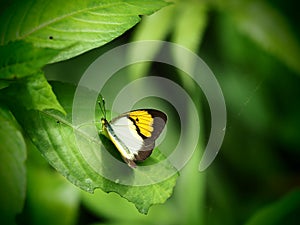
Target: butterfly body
x,y
134,133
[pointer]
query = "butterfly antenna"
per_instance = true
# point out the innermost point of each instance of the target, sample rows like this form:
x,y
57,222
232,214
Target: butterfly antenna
x,y
102,106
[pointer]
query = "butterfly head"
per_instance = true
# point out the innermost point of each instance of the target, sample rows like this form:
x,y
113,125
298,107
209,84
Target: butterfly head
x,y
104,122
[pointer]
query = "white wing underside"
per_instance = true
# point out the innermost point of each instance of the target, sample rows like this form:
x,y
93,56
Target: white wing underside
x,y
125,130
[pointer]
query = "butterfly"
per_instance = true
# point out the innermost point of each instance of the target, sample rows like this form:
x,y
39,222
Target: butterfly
x,y
134,133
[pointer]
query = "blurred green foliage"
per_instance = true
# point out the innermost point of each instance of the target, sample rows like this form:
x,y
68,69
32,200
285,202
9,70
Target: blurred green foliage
x,y
253,49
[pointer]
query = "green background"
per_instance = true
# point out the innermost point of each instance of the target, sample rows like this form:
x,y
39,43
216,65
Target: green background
x,y
253,49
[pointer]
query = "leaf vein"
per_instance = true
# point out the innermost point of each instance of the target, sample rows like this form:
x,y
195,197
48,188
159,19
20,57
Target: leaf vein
x,y
54,20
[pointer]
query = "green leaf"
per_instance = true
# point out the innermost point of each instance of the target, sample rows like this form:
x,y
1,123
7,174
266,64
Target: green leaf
x,y
49,194
191,191
284,211
154,27
20,59
84,25
268,28
188,32
33,92
80,157
190,24
12,168
120,211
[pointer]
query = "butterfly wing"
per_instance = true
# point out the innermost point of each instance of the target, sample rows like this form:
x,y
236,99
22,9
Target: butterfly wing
x,y
125,131
136,132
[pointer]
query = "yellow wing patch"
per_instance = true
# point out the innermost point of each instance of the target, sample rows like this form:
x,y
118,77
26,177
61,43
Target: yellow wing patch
x,y
144,121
